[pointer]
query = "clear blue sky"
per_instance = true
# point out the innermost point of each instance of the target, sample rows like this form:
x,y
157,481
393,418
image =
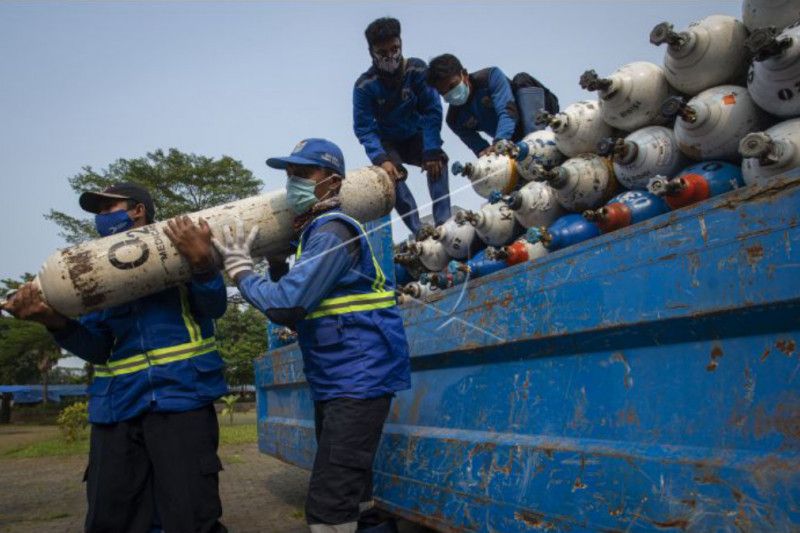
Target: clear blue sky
x,y
87,83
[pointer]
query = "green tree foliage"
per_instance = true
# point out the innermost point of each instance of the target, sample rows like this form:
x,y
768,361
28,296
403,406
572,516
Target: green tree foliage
x,y
180,183
241,337
27,351
73,421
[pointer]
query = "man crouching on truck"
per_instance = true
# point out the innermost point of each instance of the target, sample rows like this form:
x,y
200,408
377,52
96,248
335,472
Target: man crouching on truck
x,y
157,372
349,329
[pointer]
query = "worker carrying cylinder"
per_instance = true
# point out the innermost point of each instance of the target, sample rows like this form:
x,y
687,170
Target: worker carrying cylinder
x,y
157,373
398,119
349,329
487,101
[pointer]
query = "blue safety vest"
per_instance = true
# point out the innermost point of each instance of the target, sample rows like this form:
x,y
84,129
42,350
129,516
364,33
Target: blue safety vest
x,y
353,342
162,356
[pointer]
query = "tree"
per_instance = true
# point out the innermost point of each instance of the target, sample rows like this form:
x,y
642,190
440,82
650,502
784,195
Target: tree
x,y
241,337
180,183
27,351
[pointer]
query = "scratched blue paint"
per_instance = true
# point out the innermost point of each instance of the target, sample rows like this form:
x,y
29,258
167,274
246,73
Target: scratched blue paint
x,y
648,379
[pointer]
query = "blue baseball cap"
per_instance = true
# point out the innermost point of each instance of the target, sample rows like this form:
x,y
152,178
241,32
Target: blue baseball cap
x,y
315,152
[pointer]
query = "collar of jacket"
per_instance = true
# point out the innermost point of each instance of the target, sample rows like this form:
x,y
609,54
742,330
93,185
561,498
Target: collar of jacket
x,y
302,221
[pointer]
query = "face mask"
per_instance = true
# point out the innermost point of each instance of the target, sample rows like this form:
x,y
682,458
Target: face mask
x,y
111,223
458,95
300,193
388,64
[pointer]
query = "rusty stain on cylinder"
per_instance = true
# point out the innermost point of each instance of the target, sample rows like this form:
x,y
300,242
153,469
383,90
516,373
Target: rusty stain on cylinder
x,y
79,266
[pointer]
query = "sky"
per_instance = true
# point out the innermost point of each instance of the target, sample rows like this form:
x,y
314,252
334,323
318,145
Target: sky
x,y
88,83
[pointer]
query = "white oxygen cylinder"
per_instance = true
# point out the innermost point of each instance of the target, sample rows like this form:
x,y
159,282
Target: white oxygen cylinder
x,y
578,128
710,52
105,272
770,153
583,182
492,172
535,204
645,153
456,238
536,150
494,223
712,123
774,76
432,254
631,97
417,291
765,13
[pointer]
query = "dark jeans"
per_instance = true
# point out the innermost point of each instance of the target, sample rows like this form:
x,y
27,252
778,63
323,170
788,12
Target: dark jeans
x,y
409,151
348,432
155,467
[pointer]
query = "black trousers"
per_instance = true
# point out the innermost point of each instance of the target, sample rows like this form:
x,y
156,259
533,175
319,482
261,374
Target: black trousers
x,y
157,466
348,432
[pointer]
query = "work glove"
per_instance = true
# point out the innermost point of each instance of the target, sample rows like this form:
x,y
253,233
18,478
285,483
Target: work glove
x,y
235,253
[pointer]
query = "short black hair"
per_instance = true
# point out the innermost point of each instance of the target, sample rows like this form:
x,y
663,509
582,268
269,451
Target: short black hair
x,y
443,67
382,29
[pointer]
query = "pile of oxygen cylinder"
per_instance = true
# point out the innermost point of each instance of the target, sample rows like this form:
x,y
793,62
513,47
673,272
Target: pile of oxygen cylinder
x,y
721,113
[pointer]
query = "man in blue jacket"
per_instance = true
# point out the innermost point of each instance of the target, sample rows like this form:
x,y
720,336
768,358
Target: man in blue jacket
x,y
350,332
157,372
486,101
398,119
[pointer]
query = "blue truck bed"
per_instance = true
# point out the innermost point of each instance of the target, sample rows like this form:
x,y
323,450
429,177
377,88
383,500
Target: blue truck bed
x,y
648,379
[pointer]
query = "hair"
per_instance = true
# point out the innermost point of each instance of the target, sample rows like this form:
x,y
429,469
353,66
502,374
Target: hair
x,y
131,204
443,67
382,29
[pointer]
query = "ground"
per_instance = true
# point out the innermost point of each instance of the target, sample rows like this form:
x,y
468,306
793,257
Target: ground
x,y
44,494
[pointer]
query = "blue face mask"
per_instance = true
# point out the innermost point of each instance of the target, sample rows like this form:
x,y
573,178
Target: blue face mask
x,y
300,194
458,95
111,223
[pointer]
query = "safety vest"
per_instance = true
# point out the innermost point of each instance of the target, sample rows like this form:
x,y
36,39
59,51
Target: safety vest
x,y
353,342
377,298
196,346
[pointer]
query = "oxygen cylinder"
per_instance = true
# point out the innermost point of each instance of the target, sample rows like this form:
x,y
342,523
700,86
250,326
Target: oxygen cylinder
x,y
477,267
113,270
643,154
566,231
578,128
582,182
630,207
519,251
711,125
764,13
697,183
494,223
459,240
770,153
278,336
535,204
417,290
708,53
408,265
774,77
631,97
431,253
535,151
489,173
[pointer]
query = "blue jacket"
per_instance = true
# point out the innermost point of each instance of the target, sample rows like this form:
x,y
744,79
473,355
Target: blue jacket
x,y
156,353
398,112
349,329
490,109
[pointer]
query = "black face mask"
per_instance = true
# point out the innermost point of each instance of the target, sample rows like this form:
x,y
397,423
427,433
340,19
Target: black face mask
x,y
388,65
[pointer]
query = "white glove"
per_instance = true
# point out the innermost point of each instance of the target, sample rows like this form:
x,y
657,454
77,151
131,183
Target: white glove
x,y
235,253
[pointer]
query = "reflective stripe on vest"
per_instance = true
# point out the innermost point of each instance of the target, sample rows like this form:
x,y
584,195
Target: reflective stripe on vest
x,y
351,303
196,346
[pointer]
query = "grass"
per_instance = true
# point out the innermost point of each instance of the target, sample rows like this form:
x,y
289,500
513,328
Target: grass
x,y
56,446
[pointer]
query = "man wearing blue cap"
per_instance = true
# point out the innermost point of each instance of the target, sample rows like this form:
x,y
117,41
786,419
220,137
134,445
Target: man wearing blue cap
x,y
350,332
398,119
